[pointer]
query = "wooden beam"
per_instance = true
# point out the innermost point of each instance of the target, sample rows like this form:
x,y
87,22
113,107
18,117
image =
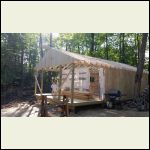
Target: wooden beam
x,y
35,87
60,82
67,66
38,84
42,81
72,84
66,77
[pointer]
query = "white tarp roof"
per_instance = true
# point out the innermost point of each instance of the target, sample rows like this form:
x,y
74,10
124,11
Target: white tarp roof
x,y
54,57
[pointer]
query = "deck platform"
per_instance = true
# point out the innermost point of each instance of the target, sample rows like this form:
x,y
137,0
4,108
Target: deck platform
x,y
76,102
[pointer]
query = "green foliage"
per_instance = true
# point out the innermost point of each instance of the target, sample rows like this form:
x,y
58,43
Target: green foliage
x,y
81,43
13,45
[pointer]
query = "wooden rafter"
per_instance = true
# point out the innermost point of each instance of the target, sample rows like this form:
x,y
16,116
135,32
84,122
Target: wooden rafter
x,y
36,80
66,77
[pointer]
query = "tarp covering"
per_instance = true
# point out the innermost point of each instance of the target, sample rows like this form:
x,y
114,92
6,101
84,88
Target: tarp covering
x,y
54,57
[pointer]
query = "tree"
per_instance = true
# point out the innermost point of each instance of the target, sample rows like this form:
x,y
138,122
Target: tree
x,y
123,48
120,47
50,73
51,37
19,56
106,46
92,44
22,58
140,66
40,44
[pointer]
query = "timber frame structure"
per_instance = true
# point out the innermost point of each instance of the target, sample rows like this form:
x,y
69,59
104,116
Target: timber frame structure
x,y
117,75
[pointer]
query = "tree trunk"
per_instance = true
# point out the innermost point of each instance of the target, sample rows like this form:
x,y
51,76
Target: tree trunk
x,y
135,49
140,66
51,37
22,56
78,49
22,76
138,45
106,46
92,44
66,47
50,72
120,47
123,48
40,44
30,62
69,47
41,48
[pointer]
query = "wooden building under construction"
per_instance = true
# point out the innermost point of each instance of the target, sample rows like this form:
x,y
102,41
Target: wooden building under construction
x,y
84,79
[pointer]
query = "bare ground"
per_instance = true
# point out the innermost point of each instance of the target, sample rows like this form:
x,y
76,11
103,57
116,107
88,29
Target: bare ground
x,y
98,111
31,109
20,109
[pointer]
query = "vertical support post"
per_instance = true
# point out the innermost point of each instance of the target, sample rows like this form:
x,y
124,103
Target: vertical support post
x,y
43,111
66,107
67,110
42,81
35,87
60,81
72,84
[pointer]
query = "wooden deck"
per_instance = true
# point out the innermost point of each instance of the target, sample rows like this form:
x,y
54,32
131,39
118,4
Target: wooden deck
x,y
76,102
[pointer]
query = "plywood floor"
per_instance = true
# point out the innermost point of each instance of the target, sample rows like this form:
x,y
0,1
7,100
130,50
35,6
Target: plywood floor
x,y
77,102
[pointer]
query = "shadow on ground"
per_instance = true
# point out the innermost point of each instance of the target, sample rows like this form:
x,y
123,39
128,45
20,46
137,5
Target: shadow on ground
x,y
31,109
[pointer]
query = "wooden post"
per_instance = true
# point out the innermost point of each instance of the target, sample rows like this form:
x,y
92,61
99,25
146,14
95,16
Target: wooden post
x,y
44,111
66,107
42,81
35,88
38,85
67,110
60,81
72,84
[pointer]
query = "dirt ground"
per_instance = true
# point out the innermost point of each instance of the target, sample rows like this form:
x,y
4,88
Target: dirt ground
x,y
20,109
31,109
98,111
